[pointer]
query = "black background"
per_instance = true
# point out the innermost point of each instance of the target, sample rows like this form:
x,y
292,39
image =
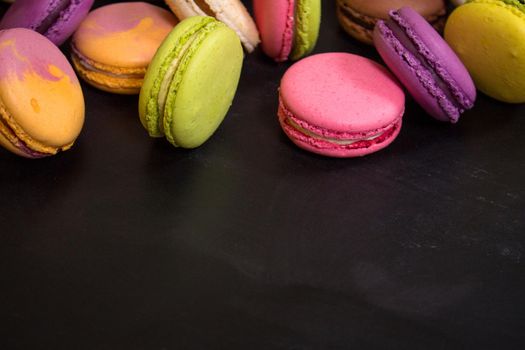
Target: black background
x,y
248,242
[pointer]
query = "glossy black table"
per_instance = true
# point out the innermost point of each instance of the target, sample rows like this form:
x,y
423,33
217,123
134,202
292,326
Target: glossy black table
x,y
248,242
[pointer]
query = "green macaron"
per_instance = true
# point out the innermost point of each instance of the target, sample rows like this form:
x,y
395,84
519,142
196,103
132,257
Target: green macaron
x,y
307,23
191,82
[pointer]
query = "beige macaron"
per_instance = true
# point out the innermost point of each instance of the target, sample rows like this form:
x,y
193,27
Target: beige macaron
x,y
230,12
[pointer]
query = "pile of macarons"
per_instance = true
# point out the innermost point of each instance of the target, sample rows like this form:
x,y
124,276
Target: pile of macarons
x,y
482,48
333,104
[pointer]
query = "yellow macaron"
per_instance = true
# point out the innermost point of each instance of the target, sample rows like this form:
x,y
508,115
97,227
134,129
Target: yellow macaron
x,y
489,37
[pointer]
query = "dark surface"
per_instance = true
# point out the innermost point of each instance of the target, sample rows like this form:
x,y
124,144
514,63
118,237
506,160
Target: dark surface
x,y
250,243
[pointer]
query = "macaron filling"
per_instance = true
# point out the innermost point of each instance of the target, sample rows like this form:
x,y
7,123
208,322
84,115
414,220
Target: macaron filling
x,y
168,79
328,139
432,75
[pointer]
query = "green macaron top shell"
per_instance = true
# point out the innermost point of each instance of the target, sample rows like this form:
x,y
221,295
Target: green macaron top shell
x,y
307,23
191,82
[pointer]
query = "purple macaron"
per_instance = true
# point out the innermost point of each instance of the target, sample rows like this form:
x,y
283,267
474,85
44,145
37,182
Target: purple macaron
x,y
425,64
55,19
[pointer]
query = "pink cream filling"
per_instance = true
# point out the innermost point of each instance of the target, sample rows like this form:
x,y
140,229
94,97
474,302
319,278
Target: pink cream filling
x,y
328,139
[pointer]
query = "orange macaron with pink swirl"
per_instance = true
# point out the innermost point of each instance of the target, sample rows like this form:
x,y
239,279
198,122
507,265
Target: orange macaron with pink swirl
x,y
41,102
114,45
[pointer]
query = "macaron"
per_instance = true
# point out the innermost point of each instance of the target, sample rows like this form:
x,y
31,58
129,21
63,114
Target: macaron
x,y
41,102
230,12
359,17
289,28
489,37
186,95
55,19
425,64
340,105
114,45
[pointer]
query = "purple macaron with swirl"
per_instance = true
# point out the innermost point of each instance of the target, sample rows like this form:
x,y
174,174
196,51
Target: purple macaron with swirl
x,y
425,64
55,19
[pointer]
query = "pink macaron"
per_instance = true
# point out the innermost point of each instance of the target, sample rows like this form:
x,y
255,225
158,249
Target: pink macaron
x,y
340,105
289,28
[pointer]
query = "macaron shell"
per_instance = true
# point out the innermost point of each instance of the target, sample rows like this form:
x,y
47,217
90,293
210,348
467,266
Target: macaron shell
x,y
275,20
425,64
234,15
174,42
488,37
231,12
206,90
124,35
68,21
201,90
39,90
411,77
342,92
30,13
443,57
25,14
307,23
